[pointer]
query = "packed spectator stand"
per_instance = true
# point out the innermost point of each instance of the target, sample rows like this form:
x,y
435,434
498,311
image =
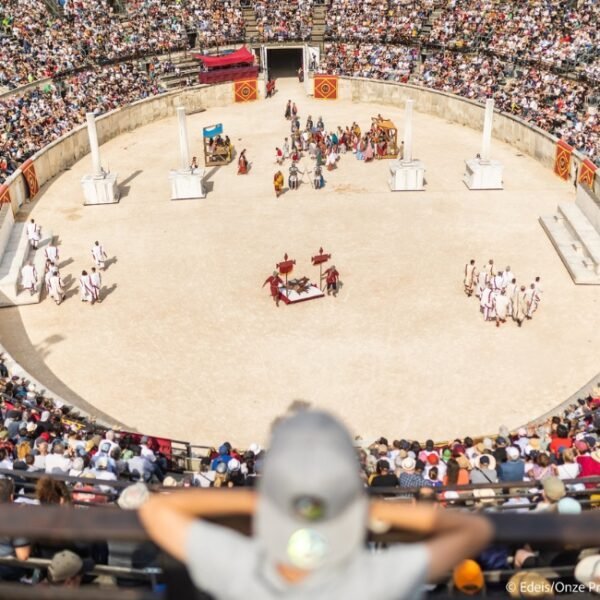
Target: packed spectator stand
x,y
539,61
51,455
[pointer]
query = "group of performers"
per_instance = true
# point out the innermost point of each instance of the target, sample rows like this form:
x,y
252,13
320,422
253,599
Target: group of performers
x,y
219,147
499,295
331,277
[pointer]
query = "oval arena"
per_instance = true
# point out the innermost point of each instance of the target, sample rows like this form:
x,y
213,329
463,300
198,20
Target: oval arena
x,y
187,344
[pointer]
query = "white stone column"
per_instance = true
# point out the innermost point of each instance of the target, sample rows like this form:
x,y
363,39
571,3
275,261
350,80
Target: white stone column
x,y
408,131
486,141
184,149
306,68
94,148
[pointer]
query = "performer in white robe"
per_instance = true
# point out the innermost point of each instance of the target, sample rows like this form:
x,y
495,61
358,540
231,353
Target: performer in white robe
x,y
49,270
86,290
482,282
56,290
533,300
96,281
469,277
34,234
99,254
486,303
331,160
508,276
538,287
51,253
489,268
520,306
510,288
29,277
501,306
498,281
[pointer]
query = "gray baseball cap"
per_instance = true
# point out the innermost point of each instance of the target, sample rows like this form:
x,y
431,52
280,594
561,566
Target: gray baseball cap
x,y
312,507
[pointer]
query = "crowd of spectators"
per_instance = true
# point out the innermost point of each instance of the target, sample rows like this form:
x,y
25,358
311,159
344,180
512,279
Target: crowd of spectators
x,y
32,119
281,21
553,103
81,40
375,61
545,99
555,461
553,33
35,44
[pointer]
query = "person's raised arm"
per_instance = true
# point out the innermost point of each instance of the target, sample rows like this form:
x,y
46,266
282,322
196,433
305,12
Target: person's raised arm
x,y
168,517
453,536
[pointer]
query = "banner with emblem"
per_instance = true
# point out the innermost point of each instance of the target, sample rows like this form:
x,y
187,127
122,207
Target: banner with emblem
x,y
4,194
245,90
326,87
28,170
587,173
562,162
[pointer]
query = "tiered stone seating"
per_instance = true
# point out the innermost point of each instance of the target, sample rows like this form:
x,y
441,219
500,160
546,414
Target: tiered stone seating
x,y
575,233
16,254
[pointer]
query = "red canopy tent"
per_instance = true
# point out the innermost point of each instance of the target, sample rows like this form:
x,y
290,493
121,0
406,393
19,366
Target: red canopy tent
x,y
239,57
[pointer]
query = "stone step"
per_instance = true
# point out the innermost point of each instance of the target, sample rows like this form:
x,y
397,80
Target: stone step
x,y
582,230
17,253
578,266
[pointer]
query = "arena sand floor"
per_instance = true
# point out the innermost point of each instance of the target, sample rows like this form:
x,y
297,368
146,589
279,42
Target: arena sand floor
x,y
187,344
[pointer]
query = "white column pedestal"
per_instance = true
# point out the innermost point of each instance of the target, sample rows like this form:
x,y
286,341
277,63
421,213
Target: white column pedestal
x,y
187,185
100,190
483,175
407,176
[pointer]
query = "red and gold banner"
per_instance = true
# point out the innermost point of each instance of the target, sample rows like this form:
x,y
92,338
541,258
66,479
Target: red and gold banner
x,y
326,87
4,194
562,162
587,173
245,90
28,170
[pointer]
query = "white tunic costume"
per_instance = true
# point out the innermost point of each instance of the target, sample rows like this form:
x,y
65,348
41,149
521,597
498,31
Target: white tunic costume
x,y
486,303
99,255
55,288
29,278
482,280
501,305
96,281
86,288
34,234
52,253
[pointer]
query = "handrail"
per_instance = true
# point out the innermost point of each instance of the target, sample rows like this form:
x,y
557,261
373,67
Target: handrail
x,y
44,563
60,523
18,591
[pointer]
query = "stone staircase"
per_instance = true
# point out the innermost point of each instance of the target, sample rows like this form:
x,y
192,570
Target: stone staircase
x,y
16,254
188,67
250,24
575,233
317,36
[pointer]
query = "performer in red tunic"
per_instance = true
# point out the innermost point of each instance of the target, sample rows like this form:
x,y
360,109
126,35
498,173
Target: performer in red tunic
x,y
332,277
274,282
242,163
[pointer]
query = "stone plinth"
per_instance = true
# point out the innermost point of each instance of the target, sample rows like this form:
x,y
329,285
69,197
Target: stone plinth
x,y
407,176
483,175
100,190
186,184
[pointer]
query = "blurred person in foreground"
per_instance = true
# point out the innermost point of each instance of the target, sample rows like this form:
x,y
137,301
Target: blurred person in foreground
x,y
310,521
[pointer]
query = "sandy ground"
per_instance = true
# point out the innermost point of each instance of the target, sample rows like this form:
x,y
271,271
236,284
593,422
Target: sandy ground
x,y
187,344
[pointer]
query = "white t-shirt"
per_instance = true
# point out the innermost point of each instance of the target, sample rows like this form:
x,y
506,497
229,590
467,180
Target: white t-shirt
x,y
58,463
396,573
